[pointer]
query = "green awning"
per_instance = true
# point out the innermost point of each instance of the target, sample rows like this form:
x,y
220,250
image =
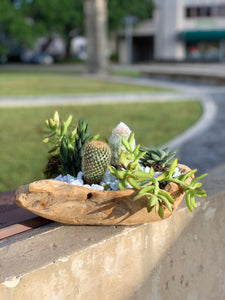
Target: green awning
x,y
202,35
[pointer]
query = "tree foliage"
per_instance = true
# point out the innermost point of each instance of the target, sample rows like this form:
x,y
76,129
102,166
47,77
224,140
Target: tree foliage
x,y
14,27
117,9
55,16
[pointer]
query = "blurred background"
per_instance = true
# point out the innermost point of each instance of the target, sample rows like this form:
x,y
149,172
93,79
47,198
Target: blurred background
x,y
47,32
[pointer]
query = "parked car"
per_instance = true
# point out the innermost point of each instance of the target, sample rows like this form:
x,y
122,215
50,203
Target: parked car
x,y
42,58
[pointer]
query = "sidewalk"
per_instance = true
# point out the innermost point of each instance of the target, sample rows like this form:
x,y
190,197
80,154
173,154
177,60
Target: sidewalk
x,y
210,72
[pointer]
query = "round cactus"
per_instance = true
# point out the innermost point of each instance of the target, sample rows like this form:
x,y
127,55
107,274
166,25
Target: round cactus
x,y
120,132
95,158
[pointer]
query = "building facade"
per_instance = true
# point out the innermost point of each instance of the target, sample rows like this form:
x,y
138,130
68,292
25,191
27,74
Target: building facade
x,y
180,30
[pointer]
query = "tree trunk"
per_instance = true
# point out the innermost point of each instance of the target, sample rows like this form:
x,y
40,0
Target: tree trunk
x,y
68,45
95,12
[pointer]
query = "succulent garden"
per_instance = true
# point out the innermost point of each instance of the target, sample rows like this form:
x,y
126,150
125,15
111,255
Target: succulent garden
x,y
116,164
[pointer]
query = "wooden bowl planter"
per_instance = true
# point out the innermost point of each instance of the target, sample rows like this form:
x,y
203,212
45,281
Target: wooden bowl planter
x,y
70,204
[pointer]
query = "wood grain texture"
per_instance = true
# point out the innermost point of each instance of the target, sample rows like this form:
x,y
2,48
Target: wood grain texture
x,y
70,204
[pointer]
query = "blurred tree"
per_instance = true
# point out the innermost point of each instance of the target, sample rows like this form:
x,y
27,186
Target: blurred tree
x,y
64,18
117,9
96,30
15,29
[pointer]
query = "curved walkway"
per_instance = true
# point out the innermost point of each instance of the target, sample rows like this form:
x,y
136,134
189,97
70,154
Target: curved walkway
x,y
90,99
203,145
206,150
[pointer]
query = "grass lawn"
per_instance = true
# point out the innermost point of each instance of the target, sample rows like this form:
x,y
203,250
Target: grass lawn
x,y
46,83
23,155
127,73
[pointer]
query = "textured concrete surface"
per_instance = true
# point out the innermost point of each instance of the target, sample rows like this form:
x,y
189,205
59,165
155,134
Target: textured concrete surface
x,y
178,258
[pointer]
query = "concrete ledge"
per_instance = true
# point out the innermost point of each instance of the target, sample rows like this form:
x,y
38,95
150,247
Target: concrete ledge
x,y
178,258
200,72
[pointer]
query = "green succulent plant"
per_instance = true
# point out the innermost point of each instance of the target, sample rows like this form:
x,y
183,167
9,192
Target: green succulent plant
x,y
81,138
71,158
95,158
66,146
148,185
159,157
66,157
56,129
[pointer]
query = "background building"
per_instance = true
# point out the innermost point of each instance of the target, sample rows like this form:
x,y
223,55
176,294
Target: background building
x,y
180,30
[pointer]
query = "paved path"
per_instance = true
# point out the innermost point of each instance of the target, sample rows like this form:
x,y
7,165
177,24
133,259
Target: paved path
x,y
91,99
210,72
207,149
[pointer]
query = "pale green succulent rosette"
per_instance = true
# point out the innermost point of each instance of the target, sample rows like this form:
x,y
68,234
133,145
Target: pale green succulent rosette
x,y
120,132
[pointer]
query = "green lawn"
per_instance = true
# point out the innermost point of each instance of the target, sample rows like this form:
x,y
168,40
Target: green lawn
x,y
127,73
23,155
46,83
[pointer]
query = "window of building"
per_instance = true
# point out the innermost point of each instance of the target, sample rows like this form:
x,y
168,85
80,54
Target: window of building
x,y
208,51
205,11
188,12
191,12
215,11
208,11
222,11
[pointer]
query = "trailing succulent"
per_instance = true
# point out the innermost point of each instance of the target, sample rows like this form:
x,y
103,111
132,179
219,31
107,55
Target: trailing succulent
x,y
146,184
74,151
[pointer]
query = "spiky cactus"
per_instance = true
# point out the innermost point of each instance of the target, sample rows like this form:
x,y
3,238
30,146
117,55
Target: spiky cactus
x,y
81,138
95,158
160,158
120,132
66,157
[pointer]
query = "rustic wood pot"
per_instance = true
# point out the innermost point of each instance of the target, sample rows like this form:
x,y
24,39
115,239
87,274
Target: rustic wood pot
x,y
70,204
